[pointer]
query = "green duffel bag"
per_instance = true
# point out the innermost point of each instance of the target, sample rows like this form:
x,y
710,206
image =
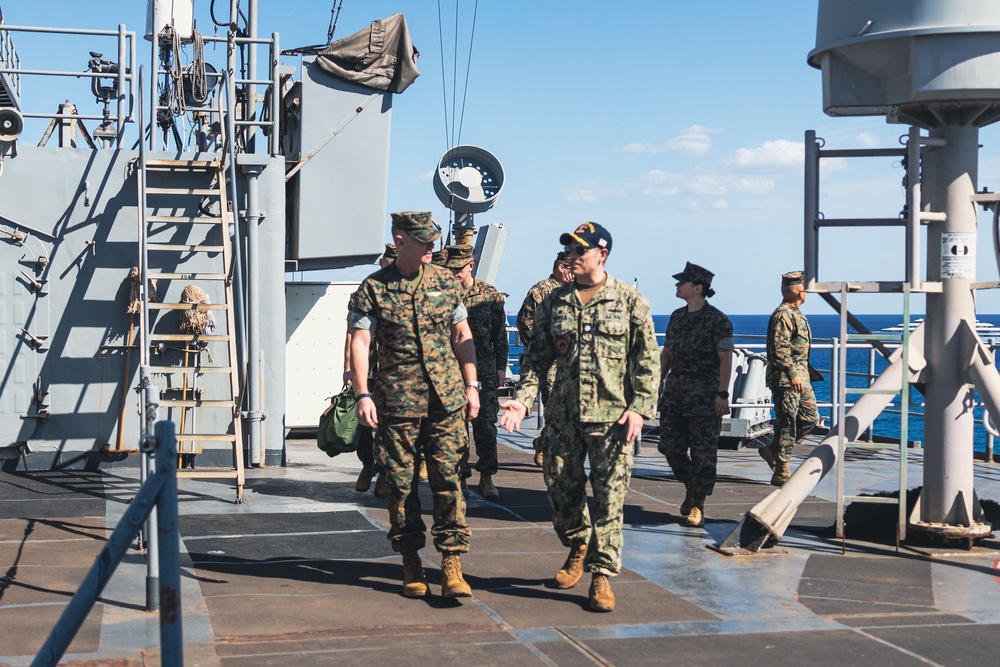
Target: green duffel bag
x,y
339,429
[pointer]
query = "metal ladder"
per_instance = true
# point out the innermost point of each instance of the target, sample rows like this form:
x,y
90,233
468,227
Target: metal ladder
x,y
174,191
843,444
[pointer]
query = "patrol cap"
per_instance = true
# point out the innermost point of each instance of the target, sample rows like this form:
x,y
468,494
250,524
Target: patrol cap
x,y
418,225
695,274
562,257
792,278
589,235
440,257
390,251
458,256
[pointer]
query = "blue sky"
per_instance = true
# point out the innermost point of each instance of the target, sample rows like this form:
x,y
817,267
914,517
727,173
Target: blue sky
x,y
677,125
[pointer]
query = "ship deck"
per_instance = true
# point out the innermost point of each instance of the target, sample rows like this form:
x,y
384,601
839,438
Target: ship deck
x,y
302,573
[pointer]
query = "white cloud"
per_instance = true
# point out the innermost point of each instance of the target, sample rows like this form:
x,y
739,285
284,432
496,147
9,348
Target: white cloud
x,y
779,153
694,140
720,204
660,183
869,140
425,176
594,195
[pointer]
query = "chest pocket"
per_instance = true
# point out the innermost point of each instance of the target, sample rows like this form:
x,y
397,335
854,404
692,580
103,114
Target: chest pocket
x,y
612,337
438,307
564,336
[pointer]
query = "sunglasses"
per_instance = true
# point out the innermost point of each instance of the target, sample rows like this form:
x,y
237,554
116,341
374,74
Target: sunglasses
x,y
578,250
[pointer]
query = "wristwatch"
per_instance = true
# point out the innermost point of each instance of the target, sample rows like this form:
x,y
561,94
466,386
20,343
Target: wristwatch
x,y
477,385
723,394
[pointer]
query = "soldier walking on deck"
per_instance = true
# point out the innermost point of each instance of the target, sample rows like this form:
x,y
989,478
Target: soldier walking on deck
x,y
789,377
561,274
426,389
698,353
599,333
488,323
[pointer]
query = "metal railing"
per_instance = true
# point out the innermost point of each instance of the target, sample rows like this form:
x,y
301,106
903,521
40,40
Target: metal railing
x,y
159,492
9,57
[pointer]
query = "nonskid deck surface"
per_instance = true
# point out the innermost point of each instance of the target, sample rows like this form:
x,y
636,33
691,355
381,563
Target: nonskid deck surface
x,y
302,574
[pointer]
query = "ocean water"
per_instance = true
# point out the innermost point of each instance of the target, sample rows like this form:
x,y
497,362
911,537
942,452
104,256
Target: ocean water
x,y
752,329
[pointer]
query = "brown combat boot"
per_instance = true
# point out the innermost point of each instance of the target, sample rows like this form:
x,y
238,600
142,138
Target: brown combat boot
x,y
487,489
768,456
422,470
414,579
572,569
364,478
381,485
601,597
453,585
696,518
539,457
688,503
781,474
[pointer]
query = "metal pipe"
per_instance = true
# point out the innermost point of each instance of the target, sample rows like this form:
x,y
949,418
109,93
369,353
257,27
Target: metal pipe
x,y
120,91
253,218
766,523
913,205
171,629
947,494
811,208
275,139
252,75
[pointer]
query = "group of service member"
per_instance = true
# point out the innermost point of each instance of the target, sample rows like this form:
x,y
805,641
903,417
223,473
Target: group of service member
x,y
591,351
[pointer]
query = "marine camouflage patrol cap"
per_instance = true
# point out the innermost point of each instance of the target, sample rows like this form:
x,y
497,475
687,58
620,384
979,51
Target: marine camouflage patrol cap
x,y
418,225
390,251
695,274
458,256
589,235
439,257
792,278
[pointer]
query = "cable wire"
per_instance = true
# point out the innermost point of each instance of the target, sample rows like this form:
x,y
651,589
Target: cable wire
x,y
444,85
468,68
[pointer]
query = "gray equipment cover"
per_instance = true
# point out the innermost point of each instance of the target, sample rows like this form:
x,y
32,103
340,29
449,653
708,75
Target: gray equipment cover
x,y
380,56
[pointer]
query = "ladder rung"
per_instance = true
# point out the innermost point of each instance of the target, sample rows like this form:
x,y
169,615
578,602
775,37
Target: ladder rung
x,y
194,403
875,500
156,275
189,370
183,247
188,306
206,192
179,164
184,219
204,437
187,337
207,473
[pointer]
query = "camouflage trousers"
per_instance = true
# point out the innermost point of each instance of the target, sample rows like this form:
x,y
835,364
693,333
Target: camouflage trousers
x,y
544,391
366,449
444,441
691,445
484,432
567,445
795,416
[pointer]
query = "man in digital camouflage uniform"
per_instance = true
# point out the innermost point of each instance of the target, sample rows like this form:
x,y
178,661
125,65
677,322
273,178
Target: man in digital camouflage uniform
x,y
439,257
788,376
366,441
561,274
426,388
599,333
698,353
488,322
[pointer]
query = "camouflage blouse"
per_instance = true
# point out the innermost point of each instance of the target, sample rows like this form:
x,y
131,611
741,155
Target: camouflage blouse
x,y
694,341
605,354
488,322
410,320
526,316
788,342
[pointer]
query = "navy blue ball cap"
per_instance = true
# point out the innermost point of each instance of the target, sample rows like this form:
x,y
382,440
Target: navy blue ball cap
x,y
589,235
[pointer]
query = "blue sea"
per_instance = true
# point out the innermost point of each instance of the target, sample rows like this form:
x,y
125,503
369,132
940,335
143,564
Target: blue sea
x,y
751,329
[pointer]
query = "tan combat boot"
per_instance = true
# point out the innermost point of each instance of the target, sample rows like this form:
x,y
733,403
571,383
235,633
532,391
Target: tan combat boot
x,y
781,474
487,489
696,518
539,457
572,569
768,456
422,470
364,478
601,597
688,503
453,585
414,579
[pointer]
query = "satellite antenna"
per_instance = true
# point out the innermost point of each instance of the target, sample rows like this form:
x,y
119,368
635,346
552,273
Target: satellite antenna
x,y
468,180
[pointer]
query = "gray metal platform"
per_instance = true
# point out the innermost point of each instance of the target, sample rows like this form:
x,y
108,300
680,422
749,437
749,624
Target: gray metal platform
x,y
302,574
